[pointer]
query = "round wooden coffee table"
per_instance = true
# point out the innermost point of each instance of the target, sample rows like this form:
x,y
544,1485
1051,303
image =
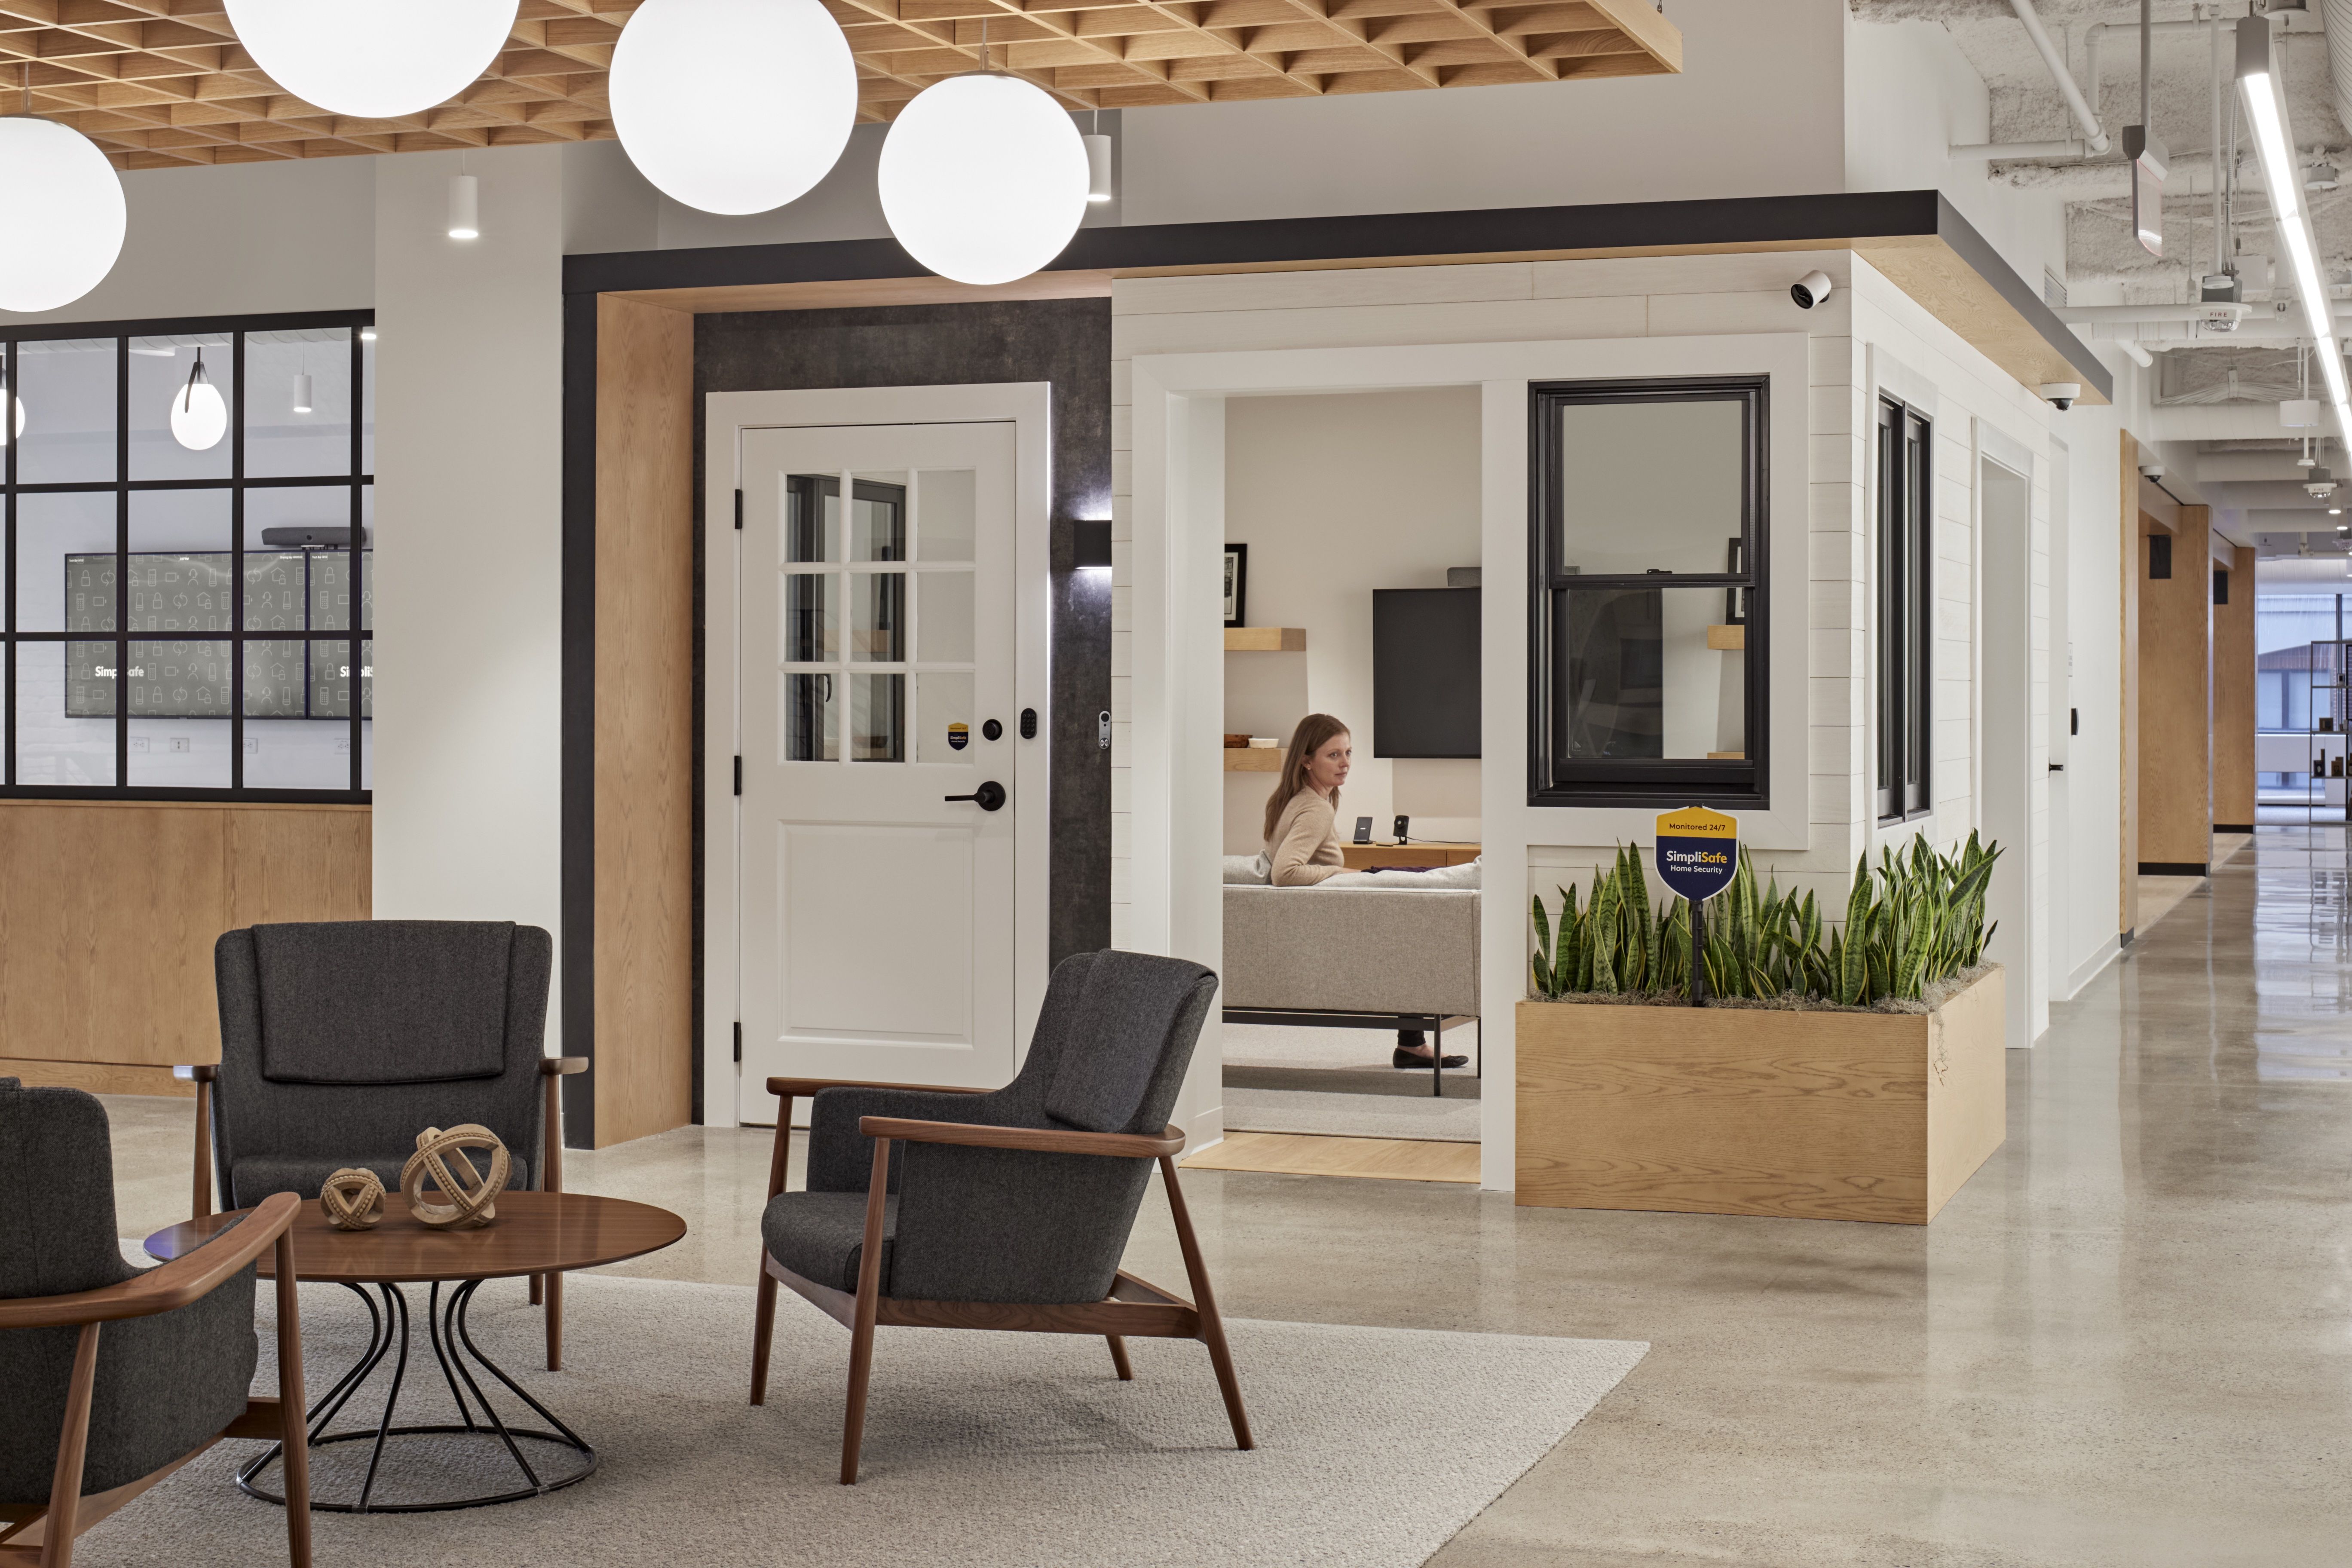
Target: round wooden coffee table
x,y
535,1233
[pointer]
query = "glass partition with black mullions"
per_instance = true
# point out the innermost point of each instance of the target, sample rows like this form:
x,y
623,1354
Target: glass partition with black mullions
x,y
189,578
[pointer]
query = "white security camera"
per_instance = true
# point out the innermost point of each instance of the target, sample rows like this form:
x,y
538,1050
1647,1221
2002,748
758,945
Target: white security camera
x,y
1810,290
2152,472
2062,394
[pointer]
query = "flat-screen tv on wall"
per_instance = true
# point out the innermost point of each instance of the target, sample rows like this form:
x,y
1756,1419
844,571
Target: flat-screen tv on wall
x,y
1424,672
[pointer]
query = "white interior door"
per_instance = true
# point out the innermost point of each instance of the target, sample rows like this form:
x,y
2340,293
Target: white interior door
x,y
878,695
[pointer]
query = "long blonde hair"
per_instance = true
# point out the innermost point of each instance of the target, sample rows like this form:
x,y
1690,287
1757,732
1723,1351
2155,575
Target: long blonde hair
x,y
1305,741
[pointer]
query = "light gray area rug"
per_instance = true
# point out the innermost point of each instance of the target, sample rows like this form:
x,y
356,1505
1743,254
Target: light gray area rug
x,y
1447,1120
982,1450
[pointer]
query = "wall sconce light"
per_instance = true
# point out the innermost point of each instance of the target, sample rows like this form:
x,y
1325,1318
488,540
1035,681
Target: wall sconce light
x,y
1090,545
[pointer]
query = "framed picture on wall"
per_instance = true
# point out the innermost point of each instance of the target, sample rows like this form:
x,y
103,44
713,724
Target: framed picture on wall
x,y
1236,582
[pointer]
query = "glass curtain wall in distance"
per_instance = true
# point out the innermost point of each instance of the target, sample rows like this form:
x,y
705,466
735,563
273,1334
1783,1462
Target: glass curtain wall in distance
x,y
189,601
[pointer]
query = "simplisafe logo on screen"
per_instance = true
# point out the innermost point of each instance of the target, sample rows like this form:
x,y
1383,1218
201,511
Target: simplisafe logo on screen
x,y
1697,851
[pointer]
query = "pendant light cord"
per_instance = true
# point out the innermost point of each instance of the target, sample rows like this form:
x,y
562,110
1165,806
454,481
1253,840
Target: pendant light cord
x,y
188,392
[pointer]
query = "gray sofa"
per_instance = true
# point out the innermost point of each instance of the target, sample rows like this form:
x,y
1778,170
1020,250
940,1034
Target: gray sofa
x,y
1375,950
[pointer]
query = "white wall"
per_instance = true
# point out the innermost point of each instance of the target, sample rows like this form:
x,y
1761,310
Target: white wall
x,y
1336,497
239,239
468,473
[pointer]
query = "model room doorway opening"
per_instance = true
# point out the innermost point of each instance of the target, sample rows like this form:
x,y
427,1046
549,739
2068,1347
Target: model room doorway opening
x,y
876,899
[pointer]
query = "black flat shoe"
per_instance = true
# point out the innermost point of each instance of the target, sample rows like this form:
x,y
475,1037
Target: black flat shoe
x,y
1404,1058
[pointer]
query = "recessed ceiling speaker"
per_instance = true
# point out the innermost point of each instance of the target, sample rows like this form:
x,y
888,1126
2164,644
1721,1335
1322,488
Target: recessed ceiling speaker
x,y
374,60
733,106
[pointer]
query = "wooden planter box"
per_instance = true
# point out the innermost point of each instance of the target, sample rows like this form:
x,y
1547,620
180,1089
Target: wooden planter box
x,y
1864,1116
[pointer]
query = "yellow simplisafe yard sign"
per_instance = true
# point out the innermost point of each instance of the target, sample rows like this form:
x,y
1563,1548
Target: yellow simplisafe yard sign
x,y
1697,851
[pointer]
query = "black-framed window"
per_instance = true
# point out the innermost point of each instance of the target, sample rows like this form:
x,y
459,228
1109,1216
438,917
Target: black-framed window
x,y
1651,610
1907,612
188,617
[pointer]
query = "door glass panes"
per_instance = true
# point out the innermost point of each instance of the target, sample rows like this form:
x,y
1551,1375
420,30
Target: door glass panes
x,y
331,683
943,700
812,518
277,680
877,517
809,630
158,369
68,389
65,561
946,610
297,403
810,726
1650,486
878,617
64,723
1638,680
877,718
947,501
178,690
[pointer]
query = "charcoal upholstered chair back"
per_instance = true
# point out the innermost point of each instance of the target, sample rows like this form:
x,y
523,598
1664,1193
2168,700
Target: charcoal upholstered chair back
x,y
165,1384
341,1041
1112,1043
1008,1209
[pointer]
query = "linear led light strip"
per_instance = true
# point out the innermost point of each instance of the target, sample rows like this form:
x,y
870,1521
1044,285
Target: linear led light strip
x,y
2257,79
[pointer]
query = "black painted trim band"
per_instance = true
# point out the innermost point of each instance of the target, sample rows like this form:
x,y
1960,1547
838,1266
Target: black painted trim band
x,y
2173,869
578,826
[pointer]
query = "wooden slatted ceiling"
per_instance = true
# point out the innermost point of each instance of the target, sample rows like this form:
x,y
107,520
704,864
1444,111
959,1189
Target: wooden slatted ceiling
x,y
163,83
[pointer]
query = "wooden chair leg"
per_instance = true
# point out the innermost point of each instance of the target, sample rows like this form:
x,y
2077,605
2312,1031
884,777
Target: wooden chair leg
x,y
869,1306
1118,1358
554,1322
537,1289
201,1203
1204,1300
764,1329
73,1444
293,1408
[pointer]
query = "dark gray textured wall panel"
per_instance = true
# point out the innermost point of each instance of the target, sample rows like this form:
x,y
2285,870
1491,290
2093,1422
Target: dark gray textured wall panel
x,y
1066,342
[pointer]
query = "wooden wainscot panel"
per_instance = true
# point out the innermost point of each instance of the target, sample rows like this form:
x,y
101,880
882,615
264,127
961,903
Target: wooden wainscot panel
x,y
1857,1116
108,910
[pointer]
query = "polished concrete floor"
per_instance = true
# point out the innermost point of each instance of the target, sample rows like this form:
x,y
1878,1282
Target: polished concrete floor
x,y
2126,1342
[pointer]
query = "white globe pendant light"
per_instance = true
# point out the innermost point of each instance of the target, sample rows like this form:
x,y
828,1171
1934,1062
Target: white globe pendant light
x,y
199,417
983,178
65,212
374,60
733,106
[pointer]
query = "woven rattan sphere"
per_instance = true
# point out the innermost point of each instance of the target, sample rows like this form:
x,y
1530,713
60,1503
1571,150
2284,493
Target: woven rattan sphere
x,y
440,1158
351,1199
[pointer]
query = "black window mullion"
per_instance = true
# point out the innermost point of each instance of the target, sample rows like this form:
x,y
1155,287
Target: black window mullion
x,y
122,563
236,568
353,575
12,366
1922,616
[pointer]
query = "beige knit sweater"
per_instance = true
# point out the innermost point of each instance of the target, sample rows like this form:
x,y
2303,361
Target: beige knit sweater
x,y
1305,848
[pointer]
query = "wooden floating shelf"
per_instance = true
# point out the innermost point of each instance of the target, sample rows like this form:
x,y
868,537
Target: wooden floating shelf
x,y
1266,639
1723,639
1253,760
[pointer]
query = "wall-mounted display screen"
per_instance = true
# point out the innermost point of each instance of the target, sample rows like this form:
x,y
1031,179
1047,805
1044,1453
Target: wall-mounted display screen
x,y
176,671
1425,672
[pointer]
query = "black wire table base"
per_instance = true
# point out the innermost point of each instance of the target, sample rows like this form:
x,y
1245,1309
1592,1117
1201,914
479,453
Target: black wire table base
x,y
452,1344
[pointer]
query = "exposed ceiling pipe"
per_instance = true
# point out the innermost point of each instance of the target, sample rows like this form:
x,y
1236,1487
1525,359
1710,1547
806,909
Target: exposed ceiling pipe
x,y
2085,115
2072,314
2134,352
1988,151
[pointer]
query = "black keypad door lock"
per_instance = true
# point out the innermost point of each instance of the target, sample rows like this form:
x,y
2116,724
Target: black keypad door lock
x,y
989,796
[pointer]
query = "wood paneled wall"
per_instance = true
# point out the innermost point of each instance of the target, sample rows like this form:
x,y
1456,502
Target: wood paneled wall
x,y
643,1072
2233,696
2175,704
108,910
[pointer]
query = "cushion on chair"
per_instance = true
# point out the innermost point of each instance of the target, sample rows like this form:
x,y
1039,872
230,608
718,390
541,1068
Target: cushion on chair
x,y
256,1177
383,1002
1118,1039
164,1383
821,1236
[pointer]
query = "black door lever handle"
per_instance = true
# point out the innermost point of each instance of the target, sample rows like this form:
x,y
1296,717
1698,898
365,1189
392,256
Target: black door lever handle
x,y
989,796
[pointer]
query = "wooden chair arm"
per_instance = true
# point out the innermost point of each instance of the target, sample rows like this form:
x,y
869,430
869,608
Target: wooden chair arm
x,y
197,1072
793,1087
563,1067
165,1289
1033,1140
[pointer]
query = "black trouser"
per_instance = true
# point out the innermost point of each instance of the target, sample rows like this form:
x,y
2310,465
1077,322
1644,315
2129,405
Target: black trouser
x,y
1410,1040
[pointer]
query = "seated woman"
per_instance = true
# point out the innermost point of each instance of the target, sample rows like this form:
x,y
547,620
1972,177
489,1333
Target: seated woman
x,y
1302,833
